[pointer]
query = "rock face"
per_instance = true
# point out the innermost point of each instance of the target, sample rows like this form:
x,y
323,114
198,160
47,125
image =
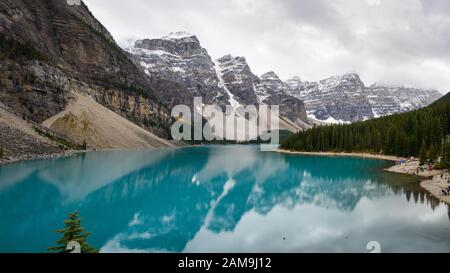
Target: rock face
x,y
345,98
272,91
388,100
238,79
51,48
179,57
340,98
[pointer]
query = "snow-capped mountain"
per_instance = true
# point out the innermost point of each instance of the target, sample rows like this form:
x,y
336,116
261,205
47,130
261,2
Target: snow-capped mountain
x,y
388,100
339,98
179,57
345,98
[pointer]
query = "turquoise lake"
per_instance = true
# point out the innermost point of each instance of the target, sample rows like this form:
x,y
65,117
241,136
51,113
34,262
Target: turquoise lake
x,y
219,199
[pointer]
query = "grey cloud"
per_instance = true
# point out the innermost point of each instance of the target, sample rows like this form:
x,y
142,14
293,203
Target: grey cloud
x,y
436,6
398,42
316,12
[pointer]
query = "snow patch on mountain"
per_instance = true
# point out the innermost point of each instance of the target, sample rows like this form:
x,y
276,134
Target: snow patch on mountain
x,y
329,120
233,102
179,35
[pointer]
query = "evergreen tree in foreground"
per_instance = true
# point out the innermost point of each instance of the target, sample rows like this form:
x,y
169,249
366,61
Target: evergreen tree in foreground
x,y
73,232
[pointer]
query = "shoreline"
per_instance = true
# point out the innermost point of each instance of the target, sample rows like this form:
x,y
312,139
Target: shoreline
x,y
439,178
69,153
431,186
362,155
25,158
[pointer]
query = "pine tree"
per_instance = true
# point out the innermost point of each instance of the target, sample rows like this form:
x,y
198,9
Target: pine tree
x,y
433,152
73,232
446,154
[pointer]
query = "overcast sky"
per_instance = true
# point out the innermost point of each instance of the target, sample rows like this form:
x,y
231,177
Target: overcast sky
x,y
405,42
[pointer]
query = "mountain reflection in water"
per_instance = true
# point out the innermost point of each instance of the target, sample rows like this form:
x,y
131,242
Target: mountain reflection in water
x,y
219,199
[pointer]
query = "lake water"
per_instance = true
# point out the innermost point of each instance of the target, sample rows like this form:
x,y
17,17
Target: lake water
x,y
219,199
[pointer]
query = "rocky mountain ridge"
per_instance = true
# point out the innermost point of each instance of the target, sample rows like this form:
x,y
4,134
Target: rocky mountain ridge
x,y
180,57
345,98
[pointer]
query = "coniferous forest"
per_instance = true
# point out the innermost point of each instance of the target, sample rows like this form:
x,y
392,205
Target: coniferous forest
x,y
424,133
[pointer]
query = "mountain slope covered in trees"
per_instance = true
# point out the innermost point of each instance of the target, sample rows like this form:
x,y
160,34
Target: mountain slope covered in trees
x,y
424,133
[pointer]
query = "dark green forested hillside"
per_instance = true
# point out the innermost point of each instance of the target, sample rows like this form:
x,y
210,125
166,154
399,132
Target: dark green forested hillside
x,y
424,133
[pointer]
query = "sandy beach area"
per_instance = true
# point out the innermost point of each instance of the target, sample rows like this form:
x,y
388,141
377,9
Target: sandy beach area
x,y
435,179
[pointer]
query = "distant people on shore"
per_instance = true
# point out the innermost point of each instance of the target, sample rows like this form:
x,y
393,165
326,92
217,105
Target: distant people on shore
x,y
445,192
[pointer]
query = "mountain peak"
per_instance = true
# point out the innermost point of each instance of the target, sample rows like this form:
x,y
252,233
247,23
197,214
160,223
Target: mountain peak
x,y
351,75
270,76
296,79
347,77
226,58
230,58
174,37
294,82
178,43
179,35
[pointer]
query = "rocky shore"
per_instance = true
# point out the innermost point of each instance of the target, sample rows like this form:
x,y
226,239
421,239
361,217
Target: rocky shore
x,y
15,159
436,180
17,145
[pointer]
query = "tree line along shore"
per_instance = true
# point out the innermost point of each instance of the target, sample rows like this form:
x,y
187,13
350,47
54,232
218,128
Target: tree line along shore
x,y
423,133
418,141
